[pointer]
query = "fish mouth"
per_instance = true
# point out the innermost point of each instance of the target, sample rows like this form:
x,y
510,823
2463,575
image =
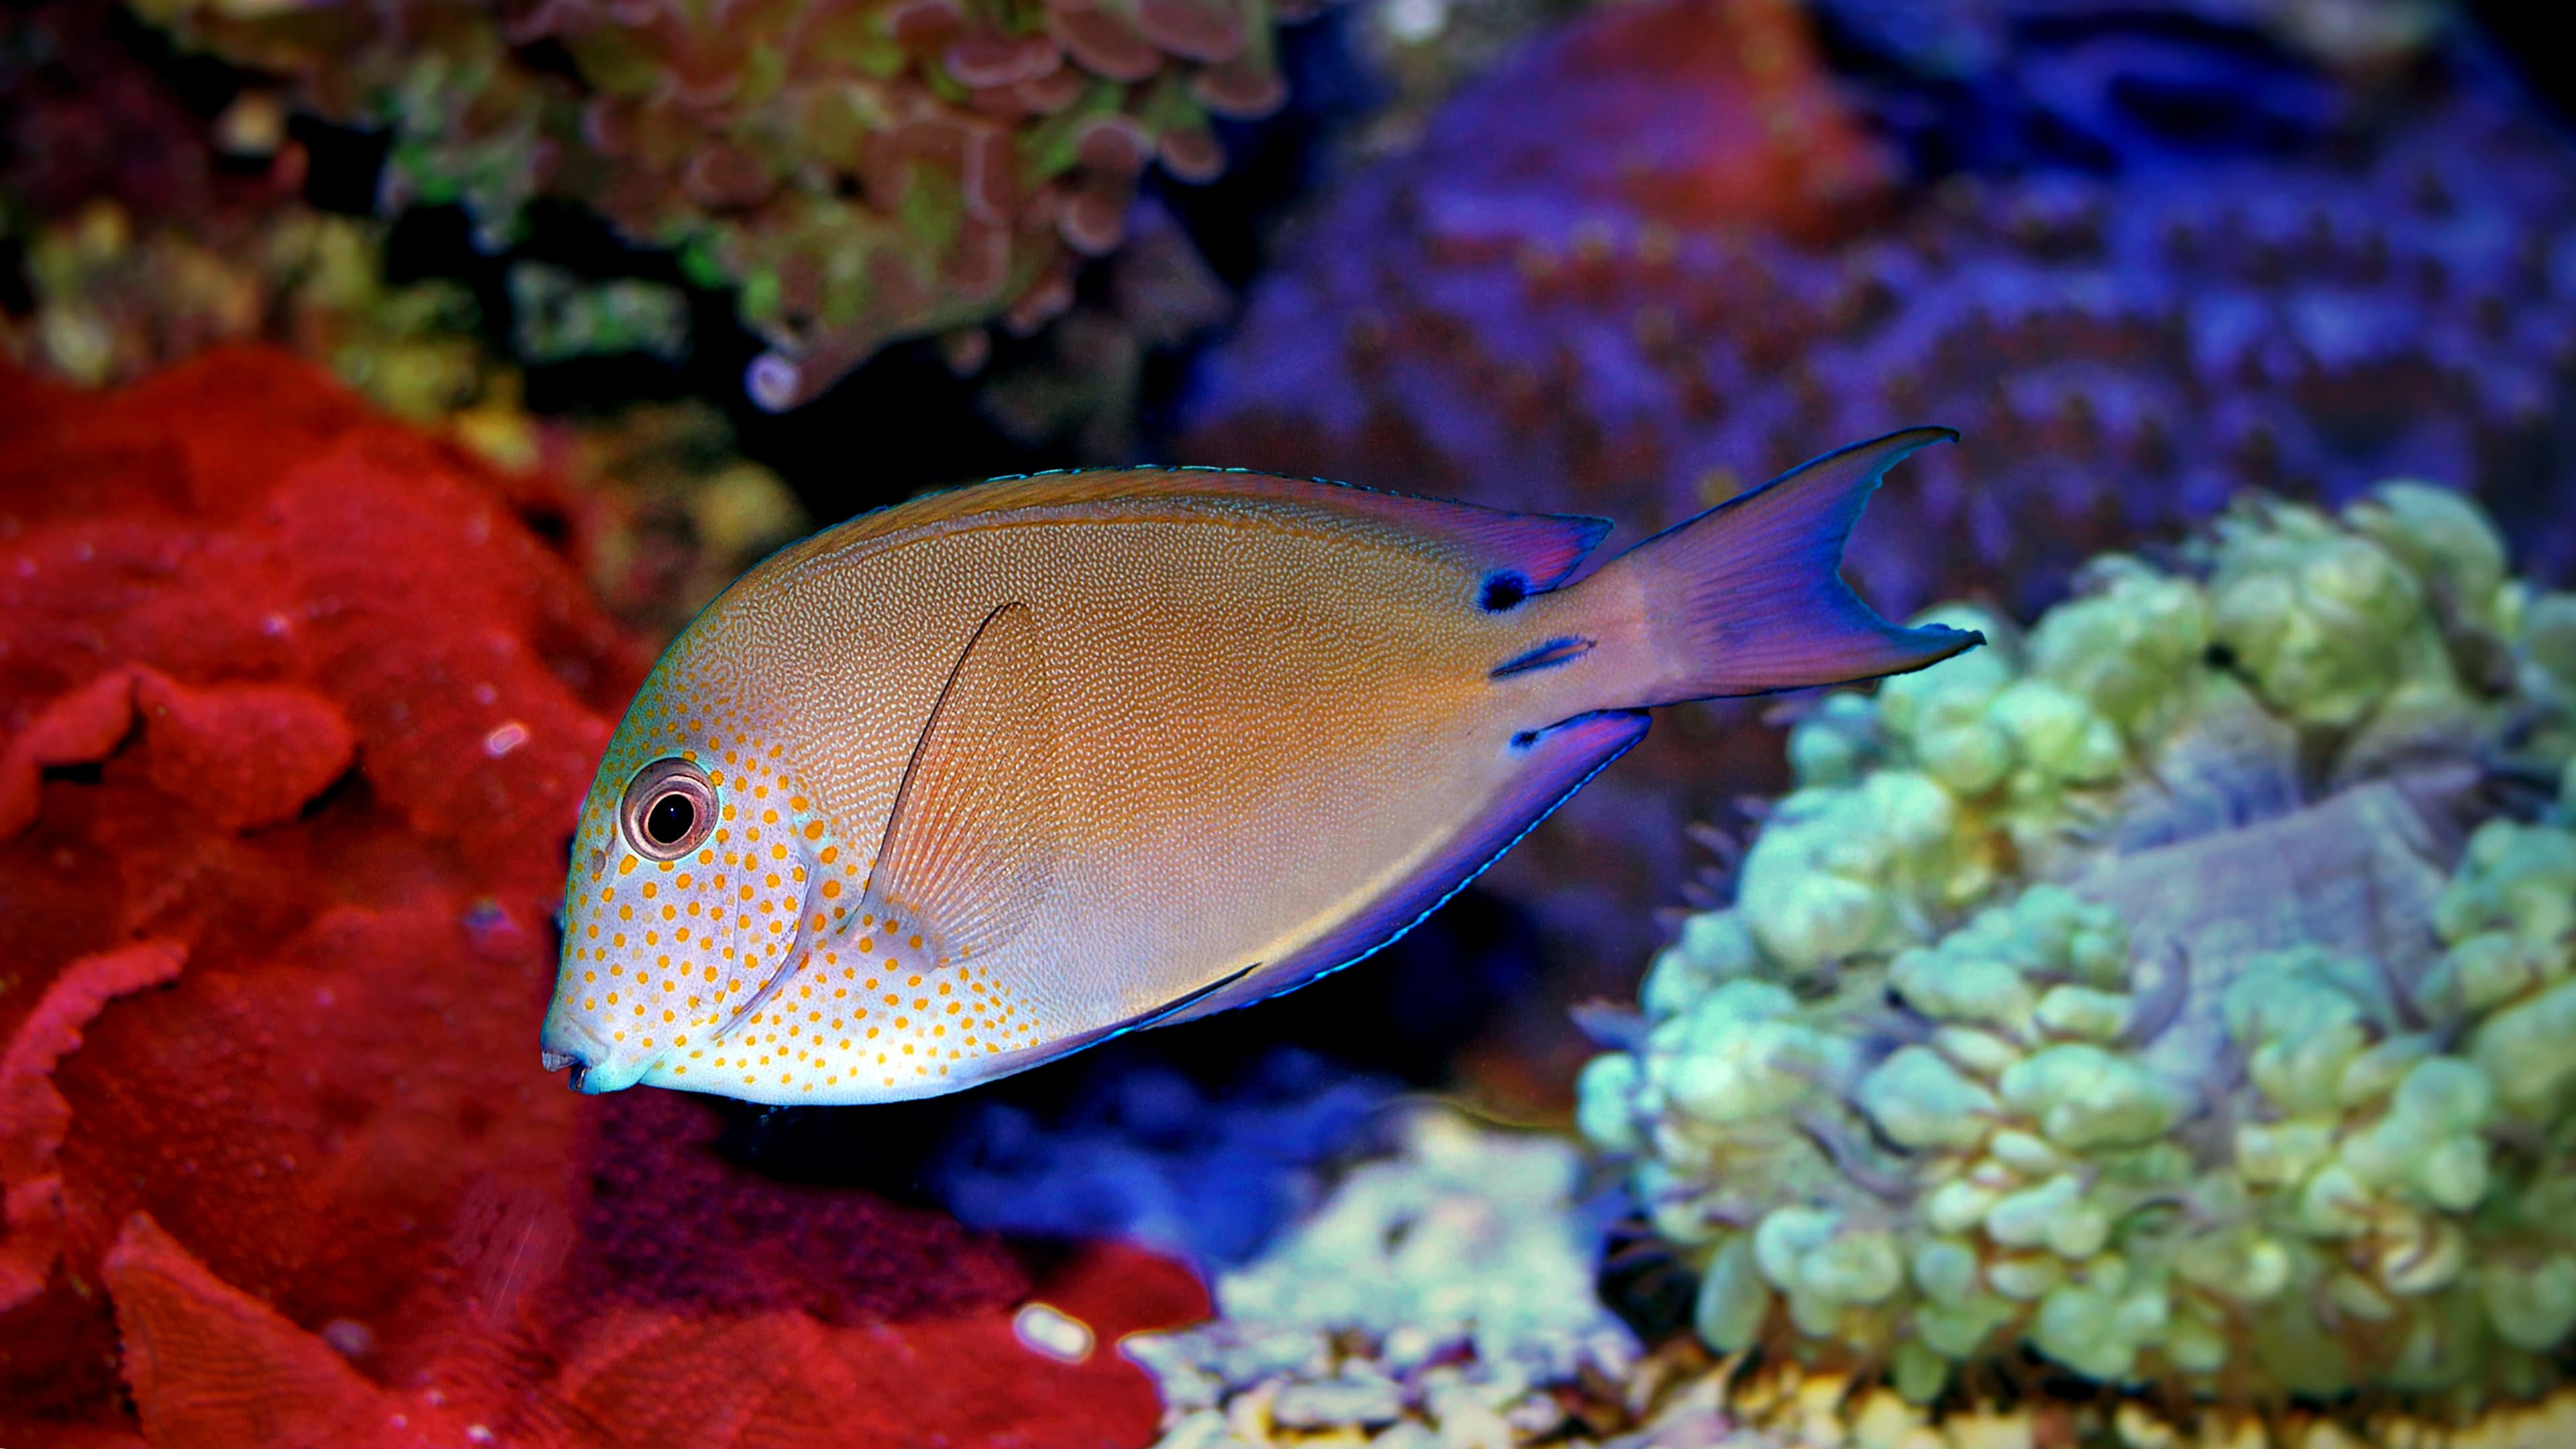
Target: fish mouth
x,y
564,1046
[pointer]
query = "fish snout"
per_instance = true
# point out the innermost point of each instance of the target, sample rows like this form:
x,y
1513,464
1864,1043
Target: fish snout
x,y
592,1073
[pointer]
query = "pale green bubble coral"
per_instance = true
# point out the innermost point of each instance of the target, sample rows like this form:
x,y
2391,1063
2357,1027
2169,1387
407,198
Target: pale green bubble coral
x,y
2184,992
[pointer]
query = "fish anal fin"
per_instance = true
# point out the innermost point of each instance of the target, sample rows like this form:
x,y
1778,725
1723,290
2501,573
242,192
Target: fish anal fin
x,y
1170,1011
1556,762
971,845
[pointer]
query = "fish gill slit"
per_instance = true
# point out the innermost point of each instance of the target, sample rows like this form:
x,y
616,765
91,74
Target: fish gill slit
x,y
791,958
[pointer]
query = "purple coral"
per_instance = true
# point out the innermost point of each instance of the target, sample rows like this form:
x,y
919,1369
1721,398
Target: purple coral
x,y
2127,331
1488,316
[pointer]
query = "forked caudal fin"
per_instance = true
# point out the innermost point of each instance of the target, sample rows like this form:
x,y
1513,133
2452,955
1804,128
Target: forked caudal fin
x,y
1745,598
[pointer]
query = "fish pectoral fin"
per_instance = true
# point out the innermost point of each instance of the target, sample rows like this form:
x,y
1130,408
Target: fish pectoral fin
x,y
973,840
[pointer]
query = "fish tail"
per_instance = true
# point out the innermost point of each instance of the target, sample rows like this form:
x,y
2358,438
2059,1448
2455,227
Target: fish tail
x,y
1746,598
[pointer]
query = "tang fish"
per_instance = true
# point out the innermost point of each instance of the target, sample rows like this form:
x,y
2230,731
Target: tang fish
x,y
969,783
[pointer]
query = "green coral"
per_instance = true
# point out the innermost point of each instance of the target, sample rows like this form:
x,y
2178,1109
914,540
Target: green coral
x,y
2322,619
861,173
115,301
2109,993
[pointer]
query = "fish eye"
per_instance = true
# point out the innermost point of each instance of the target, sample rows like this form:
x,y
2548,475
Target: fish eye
x,y
670,819
669,808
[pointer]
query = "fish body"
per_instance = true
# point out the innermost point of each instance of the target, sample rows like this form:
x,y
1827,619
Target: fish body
x,y
969,783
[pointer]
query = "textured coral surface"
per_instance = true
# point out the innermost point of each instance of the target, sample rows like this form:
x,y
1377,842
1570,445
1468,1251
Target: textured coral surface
x,y
297,711
1448,1289
2180,995
1658,257
1439,1301
862,172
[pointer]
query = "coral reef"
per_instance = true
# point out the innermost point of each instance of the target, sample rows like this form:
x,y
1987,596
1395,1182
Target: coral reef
x,y
861,173
116,300
134,211
1446,1289
297,708
1144,1155
1521,313
89,119
1086,381
1966,38
149,235
1439,1301
1420,52
2179,994
657,507
1537,307
2144,264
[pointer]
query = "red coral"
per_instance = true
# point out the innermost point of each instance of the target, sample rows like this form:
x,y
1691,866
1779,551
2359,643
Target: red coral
x,y
1689,118
33,1116
212,1366
87,117
246,755
294,697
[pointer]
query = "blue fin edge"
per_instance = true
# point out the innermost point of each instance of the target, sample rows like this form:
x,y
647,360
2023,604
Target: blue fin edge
x,y
1370,931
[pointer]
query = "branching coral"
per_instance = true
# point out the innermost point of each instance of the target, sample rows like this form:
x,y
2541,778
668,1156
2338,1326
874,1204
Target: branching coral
x,y
2127,993
296,710
862,172
1437,1302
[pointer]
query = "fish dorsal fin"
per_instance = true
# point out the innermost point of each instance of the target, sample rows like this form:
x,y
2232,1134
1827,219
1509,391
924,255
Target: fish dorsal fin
x,y
1526,553
971,846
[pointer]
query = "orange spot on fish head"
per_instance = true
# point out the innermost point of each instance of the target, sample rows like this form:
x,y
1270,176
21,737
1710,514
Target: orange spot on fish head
x,y
736,915
633,871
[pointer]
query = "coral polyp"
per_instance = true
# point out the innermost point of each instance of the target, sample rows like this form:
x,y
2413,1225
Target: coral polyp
x,y
861,173
2180,993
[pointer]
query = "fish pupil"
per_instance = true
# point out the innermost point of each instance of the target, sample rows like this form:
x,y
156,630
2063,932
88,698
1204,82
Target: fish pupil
x,y
671,819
